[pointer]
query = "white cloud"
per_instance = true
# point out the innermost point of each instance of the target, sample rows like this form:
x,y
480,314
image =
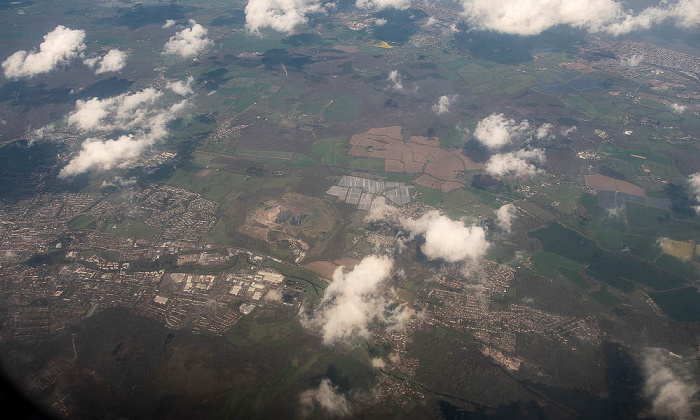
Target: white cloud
x,y
694,181
632,61
496,131
378,363
274,295
670,389
447,239
119,182
380,22
326,397
126,110
354,300
677,108
60,46
138,113
383,4
515,163
380,210
395,78
188,42
443,105
114,60
280,15
182,87
431,21
532,17
505,215
566,131
543,131
168,24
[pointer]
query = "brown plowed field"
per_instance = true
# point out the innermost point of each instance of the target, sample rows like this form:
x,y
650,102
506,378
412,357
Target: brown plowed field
x,y
605,183
415,155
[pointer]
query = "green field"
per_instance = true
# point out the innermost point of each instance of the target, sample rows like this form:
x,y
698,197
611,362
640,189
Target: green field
x,y
465,201
81,222
548,264
681,304
217,185
655,223
429,196
566,195
250,96
342,110
334,152
131,228
279,158
619,270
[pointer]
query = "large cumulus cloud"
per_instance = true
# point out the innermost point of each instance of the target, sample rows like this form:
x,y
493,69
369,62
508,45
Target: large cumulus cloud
x,y
496,131
518,163
532,17
142,115
449,240
280,15
188,42
670,388
356,299
113,61
60,46
383,4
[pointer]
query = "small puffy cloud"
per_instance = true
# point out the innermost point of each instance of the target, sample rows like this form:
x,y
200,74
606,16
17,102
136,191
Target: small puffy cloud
x,y
119,182
378,363
383,4
496,131
632,61
543,131
354,300
694,181
515,163
443,105
182,87
505,215
188,42
168,24
274,295
114,60
677,108
380,22
380,210
395,79
60,46
568,130
532,17
325,397
432,21
280,15
449,240
669,387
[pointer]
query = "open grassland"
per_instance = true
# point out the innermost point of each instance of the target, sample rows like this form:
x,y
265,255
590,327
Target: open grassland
x,y
618,270
218,184
548,264
678,249
130,228
334,152
681,304
81,222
